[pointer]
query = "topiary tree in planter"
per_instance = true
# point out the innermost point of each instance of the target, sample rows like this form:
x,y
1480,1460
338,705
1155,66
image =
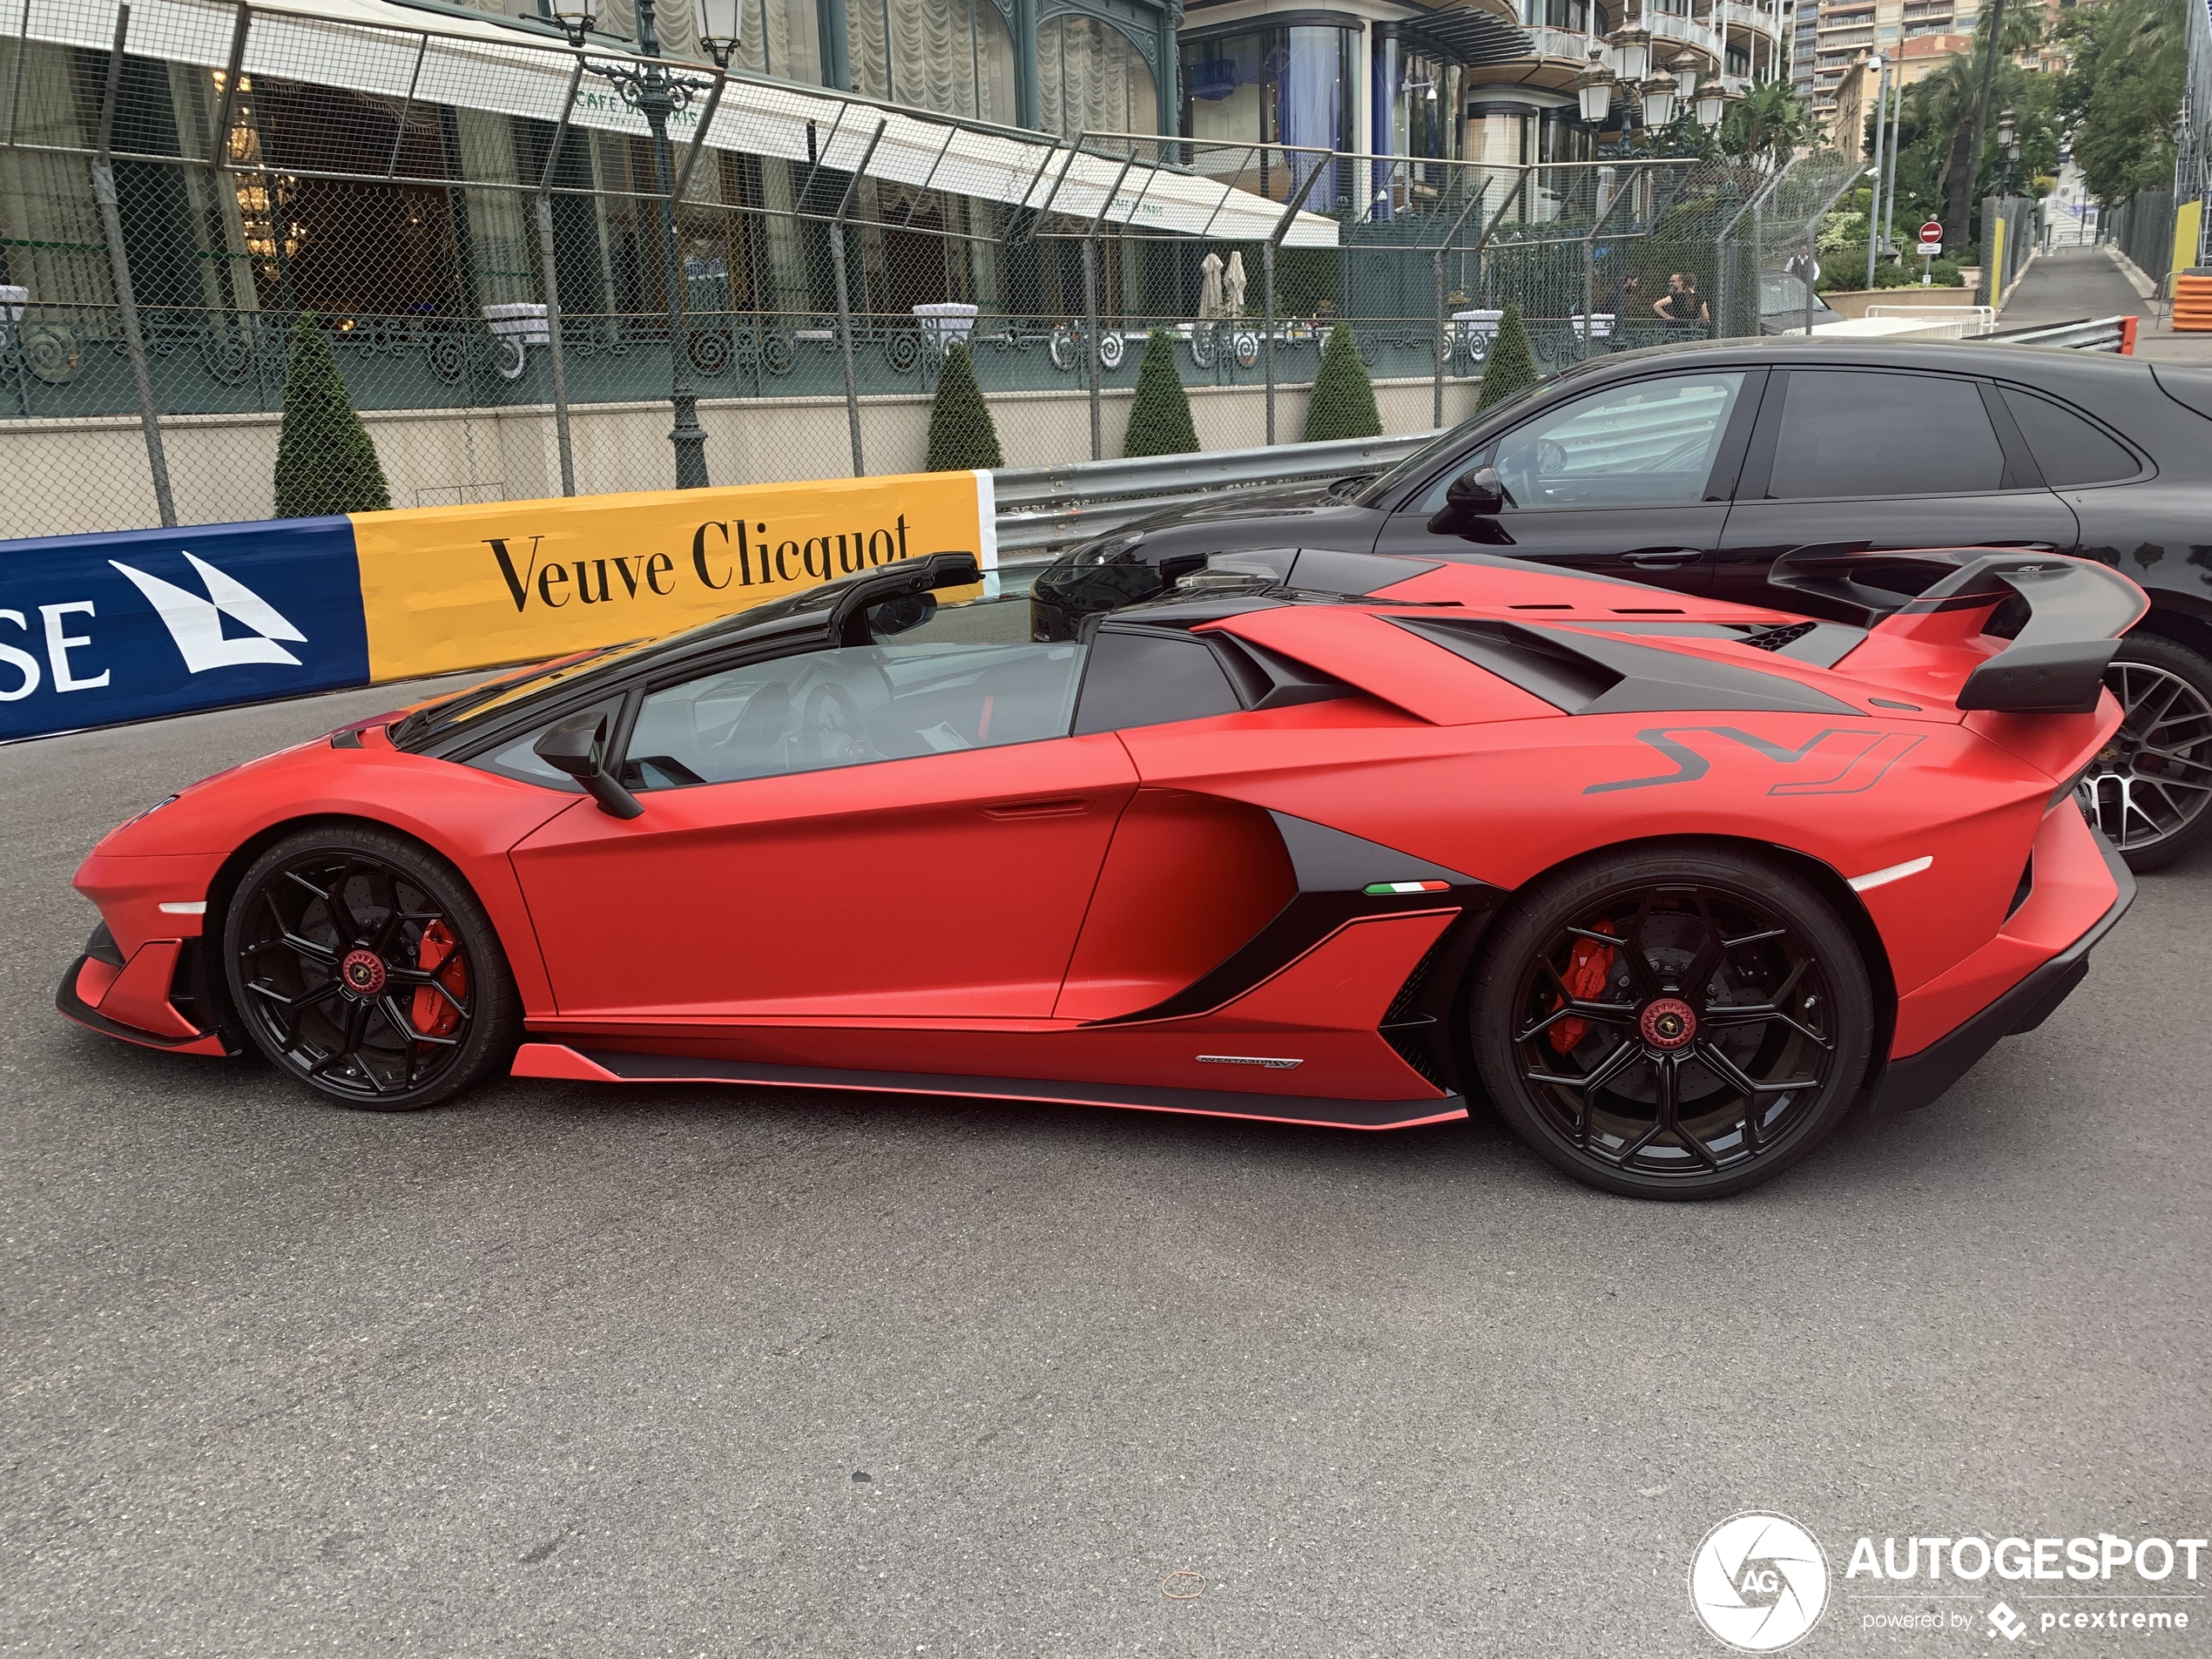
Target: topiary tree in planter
x,y
325,461
1159,420
1343,403
962,437
1511,366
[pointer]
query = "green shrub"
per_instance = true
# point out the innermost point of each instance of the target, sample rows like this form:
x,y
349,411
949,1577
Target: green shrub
x,y
962,437
325,462
1343,403
1511,367
1159,419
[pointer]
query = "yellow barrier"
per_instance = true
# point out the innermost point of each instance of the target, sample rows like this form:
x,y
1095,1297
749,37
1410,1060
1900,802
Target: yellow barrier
x,y
449,587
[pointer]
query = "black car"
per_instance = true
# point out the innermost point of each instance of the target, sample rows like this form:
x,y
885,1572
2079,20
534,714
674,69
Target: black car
x,y
1693,467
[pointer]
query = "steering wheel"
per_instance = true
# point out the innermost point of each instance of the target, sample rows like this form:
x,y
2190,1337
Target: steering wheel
x,y
1551,458
831,731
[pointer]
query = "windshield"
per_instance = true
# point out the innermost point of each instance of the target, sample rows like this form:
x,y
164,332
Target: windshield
x,y
434,720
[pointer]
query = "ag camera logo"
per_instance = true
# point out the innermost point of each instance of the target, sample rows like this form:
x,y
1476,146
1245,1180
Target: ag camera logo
x,y
1759,1582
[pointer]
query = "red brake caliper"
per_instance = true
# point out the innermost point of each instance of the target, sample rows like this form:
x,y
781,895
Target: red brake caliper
x,y
1586,973
440,954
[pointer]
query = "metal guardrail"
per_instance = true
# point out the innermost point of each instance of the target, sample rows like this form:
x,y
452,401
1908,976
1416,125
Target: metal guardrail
x,y
1040,508
2101,333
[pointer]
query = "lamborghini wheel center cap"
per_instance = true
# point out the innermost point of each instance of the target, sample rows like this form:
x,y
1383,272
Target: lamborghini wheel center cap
x,y
364,975
1668,1022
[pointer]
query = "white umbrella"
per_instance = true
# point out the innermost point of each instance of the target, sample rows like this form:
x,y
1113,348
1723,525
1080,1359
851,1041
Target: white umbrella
x,y
1234,284
1210,295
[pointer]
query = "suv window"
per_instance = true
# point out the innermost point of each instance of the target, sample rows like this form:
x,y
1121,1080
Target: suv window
x,y
1647,444
1847,433
1149,679
2069,449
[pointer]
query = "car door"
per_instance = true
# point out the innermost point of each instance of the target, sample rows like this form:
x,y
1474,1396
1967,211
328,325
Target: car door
x,y
1630,480
1880,459
903,829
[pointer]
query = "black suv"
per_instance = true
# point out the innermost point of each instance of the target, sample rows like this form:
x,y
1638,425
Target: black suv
x,y
1693,467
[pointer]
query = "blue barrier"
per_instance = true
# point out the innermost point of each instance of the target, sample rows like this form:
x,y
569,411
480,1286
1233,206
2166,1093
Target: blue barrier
x,y
99,629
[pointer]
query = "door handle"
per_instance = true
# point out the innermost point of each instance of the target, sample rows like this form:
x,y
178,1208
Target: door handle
x,y
1057,806
1663,558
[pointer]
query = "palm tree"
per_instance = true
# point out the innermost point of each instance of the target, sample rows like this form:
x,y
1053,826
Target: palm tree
x,y
1765,125
2023,28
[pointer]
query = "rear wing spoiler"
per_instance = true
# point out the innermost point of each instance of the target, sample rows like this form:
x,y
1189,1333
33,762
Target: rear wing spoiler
x,y
2071,612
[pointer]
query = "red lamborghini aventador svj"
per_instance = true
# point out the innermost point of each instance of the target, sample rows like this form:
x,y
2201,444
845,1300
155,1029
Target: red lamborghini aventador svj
x,y
1317,837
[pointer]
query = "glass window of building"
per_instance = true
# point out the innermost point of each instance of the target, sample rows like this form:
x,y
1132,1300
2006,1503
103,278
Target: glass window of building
x,y
1091,79
954,56
782,38
1274,86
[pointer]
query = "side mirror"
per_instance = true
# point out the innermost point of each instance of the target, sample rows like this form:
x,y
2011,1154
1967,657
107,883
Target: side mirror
x,y
573,746
1476,493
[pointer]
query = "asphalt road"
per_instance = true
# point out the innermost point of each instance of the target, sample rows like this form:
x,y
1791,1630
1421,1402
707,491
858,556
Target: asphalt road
x,y
684,1371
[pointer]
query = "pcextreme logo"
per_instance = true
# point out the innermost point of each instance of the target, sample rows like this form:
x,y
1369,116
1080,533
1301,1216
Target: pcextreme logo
x,y
1759,1582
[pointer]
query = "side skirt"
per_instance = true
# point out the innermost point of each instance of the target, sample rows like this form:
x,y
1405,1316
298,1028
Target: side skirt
x,y
618,1066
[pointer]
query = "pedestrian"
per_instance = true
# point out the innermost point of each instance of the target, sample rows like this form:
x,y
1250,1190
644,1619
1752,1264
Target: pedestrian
x,y
1682,304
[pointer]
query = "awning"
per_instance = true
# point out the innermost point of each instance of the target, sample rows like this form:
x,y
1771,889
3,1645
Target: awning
x,y
388,51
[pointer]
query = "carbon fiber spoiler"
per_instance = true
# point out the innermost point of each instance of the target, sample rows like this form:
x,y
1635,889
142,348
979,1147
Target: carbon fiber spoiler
x,y
2075,611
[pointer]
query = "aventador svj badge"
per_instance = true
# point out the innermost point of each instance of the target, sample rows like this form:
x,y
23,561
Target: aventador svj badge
x,y
1855,761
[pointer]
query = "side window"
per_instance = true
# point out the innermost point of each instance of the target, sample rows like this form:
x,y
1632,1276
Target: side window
x,y
2066,447
1649,444
519,759
850,706
1846,432
1149,679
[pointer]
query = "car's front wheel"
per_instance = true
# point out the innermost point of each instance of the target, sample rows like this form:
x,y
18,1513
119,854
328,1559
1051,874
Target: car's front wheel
x,y
360,963
2150,789
1672,1022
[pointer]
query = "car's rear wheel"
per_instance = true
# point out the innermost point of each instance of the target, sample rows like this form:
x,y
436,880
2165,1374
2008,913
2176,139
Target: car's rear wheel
x,y
360,963
2150,789
1672,1022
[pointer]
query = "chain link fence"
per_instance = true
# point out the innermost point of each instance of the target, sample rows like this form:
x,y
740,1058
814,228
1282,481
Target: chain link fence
x,y
530,268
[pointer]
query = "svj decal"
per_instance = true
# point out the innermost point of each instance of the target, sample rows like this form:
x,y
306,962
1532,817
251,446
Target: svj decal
x,y
99,629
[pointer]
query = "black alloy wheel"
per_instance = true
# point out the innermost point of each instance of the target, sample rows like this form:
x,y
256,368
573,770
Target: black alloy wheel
x,y
2149,790
1673,1022
362,965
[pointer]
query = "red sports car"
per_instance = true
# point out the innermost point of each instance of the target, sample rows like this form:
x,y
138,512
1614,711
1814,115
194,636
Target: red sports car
x,y
1318,838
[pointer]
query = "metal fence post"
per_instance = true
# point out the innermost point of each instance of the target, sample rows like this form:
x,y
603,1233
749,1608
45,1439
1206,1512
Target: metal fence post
x,y
548,258
844,298
555,346
1091,339
845,345
120,268
1090,292
1290,210
1267,339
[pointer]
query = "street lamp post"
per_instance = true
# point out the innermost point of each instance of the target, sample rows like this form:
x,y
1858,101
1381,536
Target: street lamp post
x,y
2008,151
657,92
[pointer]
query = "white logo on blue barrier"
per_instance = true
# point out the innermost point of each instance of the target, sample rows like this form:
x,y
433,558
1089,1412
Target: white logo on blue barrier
x,y
197,624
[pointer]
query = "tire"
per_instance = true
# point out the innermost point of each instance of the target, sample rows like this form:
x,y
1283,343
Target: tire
x,y
363,966
2150,791
1690,1097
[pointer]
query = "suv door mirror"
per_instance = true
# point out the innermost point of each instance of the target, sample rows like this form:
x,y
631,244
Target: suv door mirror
x,y
575,746
1476,493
